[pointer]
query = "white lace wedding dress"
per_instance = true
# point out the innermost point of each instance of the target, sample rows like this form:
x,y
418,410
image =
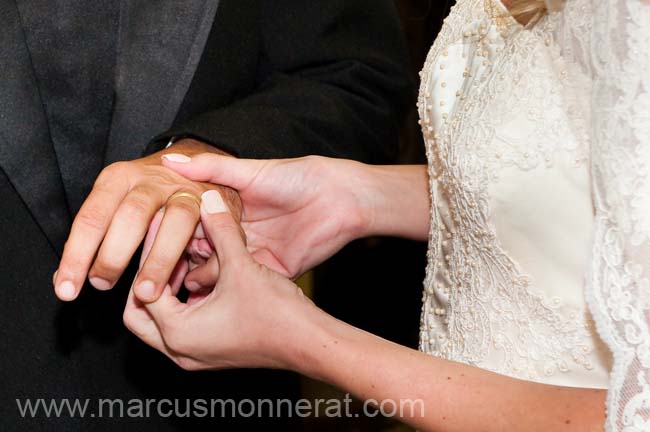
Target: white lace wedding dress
x,y
524,234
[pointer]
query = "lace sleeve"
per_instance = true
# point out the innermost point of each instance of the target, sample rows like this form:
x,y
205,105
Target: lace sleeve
x,y
618,288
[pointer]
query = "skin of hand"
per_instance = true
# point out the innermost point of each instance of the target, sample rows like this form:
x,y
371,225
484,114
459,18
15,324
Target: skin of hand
x,y
299,212
255,317
234,319
114,219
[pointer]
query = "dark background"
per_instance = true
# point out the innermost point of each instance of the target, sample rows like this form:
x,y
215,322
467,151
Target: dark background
x,y
376,283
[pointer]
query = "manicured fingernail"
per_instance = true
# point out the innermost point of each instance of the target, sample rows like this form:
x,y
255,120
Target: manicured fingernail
x,y
177,157
66,290
54,276
212,202
100,284
145,290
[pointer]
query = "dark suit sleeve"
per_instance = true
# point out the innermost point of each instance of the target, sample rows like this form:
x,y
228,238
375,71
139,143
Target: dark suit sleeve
x,y
332,80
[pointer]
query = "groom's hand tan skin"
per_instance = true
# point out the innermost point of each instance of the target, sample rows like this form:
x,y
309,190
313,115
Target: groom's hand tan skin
x,y
114,219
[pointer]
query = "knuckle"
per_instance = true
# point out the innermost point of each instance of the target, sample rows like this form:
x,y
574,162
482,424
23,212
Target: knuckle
x,y
93,218
193,187
224,224
127,319
107,268
157,263
186,363
114,170
236,271
185,208
136,207
71,262
130,321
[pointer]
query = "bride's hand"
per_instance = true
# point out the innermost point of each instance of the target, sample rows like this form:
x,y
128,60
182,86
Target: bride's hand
x,y
296,212
247,320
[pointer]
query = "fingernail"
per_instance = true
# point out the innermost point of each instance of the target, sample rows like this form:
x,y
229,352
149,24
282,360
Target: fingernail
x,y
212,202
54,276
177,157
145,290
203,254
66,290
192,286
100,284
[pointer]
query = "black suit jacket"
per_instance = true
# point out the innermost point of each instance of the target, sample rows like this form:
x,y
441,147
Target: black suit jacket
x,y
256,78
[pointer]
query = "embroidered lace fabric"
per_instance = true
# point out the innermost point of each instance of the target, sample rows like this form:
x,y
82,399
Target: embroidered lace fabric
x,y
508,150
617,54
564,103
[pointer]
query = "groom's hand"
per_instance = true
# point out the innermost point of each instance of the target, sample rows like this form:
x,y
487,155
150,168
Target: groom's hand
x,y
115,217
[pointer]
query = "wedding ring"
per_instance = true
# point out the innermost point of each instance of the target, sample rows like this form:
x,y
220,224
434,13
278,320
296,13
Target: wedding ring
x,y
185,195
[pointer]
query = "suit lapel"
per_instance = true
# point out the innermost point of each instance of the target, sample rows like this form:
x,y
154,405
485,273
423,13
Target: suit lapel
x,y
26,151
160,45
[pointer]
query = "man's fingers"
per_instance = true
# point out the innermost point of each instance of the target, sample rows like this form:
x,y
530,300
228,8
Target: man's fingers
x,y
152,232
199,250
87,233
216,169
177,276
222,230
203,277
128,228
176,229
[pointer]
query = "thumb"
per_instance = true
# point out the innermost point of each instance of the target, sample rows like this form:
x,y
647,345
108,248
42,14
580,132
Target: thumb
x,y
165,309
222,229
214,168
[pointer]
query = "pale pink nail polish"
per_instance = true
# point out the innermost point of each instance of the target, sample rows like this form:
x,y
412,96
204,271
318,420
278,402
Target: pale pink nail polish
x,y
212,202
177,157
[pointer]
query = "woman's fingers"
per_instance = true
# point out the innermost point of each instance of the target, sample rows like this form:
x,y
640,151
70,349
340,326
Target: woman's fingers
x,y
216,169
222,230
166,312
140,322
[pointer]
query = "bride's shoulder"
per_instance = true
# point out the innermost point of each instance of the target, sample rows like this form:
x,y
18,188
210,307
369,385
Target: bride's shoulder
x,y
472,21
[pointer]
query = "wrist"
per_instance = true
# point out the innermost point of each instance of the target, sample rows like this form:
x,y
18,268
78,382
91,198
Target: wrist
x,y
397,201
302,346
374,202
321,346
361,220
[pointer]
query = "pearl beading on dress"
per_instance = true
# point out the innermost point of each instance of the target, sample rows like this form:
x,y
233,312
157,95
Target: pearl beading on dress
x,y
479,305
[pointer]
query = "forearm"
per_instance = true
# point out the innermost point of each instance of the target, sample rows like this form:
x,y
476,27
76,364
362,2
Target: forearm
x,y
395,200
456,397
